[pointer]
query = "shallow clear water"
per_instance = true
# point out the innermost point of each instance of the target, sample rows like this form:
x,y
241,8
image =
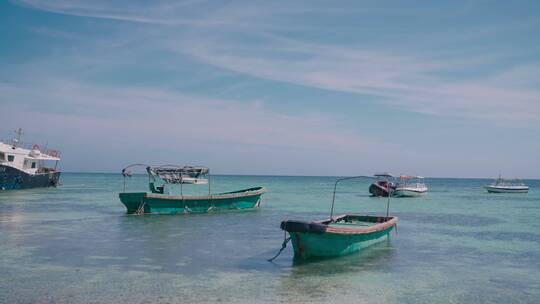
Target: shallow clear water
x,y
75,244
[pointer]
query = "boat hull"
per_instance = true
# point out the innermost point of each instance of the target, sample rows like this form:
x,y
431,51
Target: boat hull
x,y
491,189
151,203
408,193
328,243
13,179
378,190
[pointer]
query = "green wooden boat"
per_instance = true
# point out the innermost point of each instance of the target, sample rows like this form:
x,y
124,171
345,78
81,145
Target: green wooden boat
x,y
160,201
337,236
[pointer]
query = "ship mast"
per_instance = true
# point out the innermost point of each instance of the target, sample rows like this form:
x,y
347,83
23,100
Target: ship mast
x,y
17,140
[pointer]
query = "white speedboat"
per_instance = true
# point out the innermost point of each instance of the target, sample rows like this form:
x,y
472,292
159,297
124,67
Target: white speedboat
x,y
410,186
501,185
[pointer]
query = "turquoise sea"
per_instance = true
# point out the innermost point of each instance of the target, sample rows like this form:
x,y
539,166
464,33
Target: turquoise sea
x,y
75,244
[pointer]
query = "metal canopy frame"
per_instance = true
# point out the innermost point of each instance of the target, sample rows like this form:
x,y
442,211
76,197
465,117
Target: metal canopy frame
x,y
173,174
353,177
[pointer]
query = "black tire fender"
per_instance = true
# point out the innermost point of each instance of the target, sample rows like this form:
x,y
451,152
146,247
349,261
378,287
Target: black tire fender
x,y
301,226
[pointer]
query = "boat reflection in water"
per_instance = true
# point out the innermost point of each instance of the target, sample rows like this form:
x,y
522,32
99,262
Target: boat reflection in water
x,y
317,279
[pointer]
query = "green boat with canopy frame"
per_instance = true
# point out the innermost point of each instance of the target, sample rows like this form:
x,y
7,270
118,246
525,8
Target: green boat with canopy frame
x,y
159,199
336,236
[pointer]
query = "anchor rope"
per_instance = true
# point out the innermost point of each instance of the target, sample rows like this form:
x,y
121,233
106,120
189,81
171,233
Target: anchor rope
x,y
140,210
283,245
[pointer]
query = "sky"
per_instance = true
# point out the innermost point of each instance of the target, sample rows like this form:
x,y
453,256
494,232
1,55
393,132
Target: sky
x,y
433,88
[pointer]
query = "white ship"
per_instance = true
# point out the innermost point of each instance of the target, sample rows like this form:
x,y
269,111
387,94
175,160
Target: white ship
x,y
23,168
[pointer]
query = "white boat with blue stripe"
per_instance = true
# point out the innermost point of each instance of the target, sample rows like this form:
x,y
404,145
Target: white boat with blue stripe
x,y
502,185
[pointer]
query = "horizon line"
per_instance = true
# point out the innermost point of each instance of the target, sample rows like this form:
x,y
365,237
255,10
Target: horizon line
x,y
282,175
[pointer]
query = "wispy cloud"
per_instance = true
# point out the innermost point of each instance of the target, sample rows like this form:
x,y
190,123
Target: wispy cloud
x,y
248,39
175,65
402,80
181,122
156,12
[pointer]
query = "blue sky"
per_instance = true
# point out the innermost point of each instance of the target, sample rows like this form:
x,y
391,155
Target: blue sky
x,y
277,87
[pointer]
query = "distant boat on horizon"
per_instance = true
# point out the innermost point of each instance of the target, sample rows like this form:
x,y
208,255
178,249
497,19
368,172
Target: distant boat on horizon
x,y
407,188
501,185
22,168
383,185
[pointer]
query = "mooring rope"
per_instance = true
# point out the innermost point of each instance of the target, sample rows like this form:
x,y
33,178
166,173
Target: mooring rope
x,y
140,210
285,241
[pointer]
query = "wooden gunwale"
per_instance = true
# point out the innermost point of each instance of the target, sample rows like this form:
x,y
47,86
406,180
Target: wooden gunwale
x,y
218,196
357,230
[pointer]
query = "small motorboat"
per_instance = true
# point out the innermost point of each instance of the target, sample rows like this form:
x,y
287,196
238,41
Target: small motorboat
x,y
501,185
410,186
383,185
161,200
336,236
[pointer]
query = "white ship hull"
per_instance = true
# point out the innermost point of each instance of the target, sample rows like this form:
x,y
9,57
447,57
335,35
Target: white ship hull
x,y
409,192
508,189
